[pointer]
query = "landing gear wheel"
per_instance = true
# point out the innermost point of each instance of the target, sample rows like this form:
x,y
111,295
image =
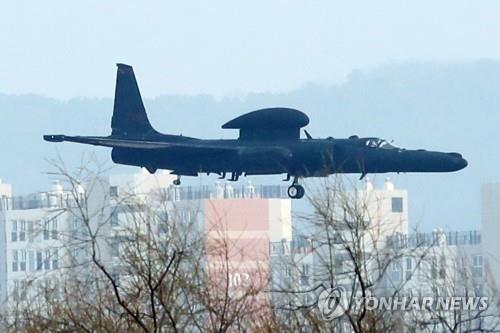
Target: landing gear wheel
x,y
296,191
292,191
301,192
177,181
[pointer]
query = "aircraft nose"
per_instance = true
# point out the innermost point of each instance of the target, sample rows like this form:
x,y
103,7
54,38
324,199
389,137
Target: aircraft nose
x,y
458,161
463,163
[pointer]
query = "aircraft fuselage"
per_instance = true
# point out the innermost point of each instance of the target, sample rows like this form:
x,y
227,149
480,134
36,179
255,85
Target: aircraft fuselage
x,y
302,158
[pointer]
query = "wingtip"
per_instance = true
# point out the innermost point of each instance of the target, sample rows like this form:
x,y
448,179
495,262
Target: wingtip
x,y
54,138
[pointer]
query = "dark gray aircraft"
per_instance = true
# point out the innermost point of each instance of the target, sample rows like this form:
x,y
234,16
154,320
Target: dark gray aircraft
x,y
269,143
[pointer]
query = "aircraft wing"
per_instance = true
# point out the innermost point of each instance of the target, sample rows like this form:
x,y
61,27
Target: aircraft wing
x,y
108,141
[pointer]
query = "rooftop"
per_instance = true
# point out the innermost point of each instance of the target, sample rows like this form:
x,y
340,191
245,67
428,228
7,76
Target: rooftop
x,y
58,197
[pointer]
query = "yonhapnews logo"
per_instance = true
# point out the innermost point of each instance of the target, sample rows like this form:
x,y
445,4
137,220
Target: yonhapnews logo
x,y
333,303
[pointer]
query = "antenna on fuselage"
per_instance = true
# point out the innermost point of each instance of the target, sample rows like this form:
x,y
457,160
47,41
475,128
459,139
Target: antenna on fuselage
x,y
309,137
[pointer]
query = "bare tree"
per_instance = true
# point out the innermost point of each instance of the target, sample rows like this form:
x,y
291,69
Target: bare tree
x,y
449,273
347,247
141,262
136,262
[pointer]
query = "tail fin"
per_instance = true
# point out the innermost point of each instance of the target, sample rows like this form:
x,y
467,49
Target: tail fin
x,y
129,115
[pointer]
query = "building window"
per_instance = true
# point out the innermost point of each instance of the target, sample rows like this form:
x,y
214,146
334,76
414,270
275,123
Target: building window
x,y
397,205
23,292
114,218
163,227
57,290
186,216
477,260
55,234
31,258
75,253
15,261
22,262
75,223
163,222
433,268
55,259
39,261
275,247
30,231
339,266
304,279
396,270
113,191
22,233
337,238
38,230
14,231
46,235
287,273
442,271
115,247
15,290
409,269
477,266
46,260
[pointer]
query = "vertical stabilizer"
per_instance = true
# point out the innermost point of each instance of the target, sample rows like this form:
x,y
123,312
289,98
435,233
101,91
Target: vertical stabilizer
x,y
129,115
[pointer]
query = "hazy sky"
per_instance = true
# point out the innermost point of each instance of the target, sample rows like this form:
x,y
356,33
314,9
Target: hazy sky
x,y
68,48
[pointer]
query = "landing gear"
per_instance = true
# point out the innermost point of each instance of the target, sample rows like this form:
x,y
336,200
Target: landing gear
x,y
151,169
177,181
295,191
235,176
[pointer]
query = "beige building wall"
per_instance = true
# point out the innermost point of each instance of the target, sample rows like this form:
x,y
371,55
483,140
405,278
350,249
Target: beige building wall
x,y
238,234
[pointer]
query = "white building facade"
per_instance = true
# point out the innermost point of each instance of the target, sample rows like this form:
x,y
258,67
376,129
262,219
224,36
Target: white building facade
x,y
33,244
392,260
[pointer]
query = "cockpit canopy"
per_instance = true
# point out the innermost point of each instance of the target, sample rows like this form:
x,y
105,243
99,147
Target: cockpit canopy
x,y
378,143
